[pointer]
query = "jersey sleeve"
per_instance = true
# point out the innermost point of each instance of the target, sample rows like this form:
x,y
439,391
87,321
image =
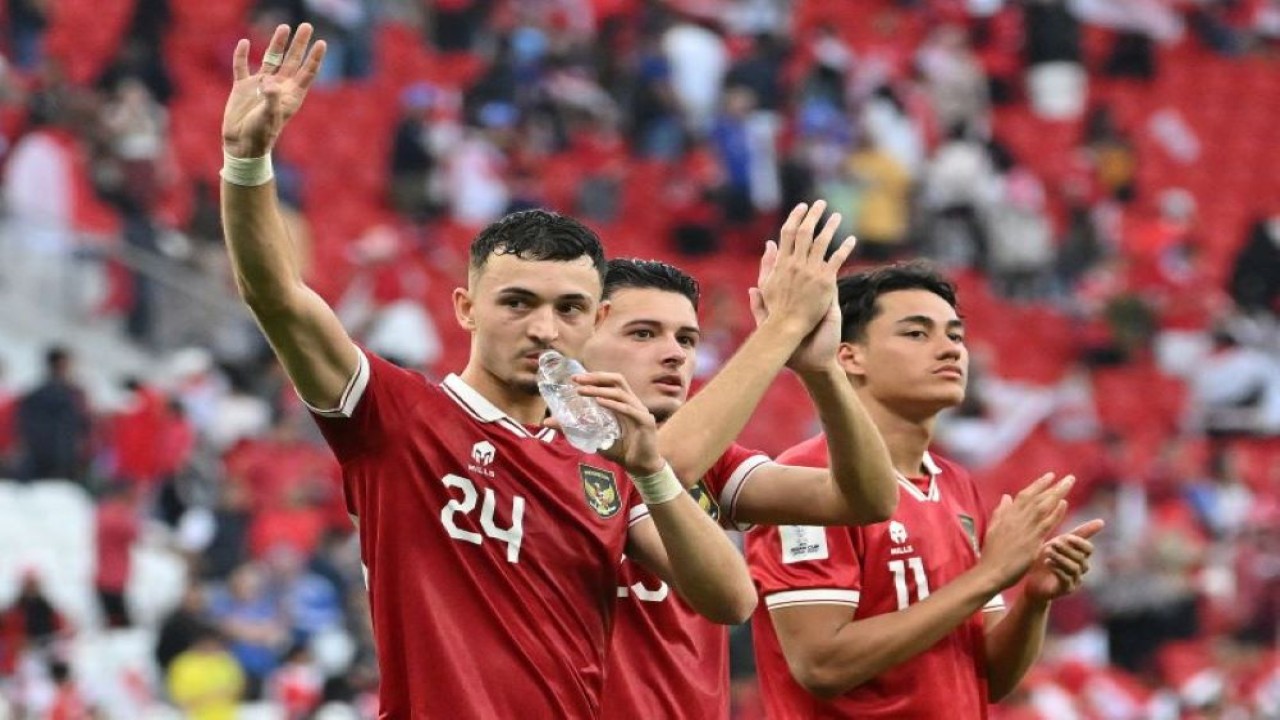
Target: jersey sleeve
x,y
796,565
372,408
726,479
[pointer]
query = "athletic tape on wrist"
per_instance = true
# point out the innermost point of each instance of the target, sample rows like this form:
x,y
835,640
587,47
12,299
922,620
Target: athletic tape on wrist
x,y
660,487
247,172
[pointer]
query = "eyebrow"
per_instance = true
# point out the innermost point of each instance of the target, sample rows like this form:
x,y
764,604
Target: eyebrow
x,y
529,294
654,323
929,322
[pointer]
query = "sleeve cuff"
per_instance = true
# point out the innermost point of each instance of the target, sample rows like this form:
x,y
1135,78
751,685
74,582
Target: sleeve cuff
x,y
733,489
812,596
995,604
637,514
351,394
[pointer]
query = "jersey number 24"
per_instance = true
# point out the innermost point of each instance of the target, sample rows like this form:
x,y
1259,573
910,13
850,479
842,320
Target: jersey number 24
x,y
512,536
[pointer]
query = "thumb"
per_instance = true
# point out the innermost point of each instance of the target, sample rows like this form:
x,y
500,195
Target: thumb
x,y
551,422
767,262
1005,502
1089,529
758,310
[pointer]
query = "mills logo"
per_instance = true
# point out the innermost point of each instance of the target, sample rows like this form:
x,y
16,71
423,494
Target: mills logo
x,y
897,532
482,456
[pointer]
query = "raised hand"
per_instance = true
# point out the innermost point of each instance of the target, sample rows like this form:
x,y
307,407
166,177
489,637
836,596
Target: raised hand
x,y
261,103
1062,563
798,282
1019,525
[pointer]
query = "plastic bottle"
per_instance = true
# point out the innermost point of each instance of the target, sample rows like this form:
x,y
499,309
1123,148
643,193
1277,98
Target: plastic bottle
x,y
586,425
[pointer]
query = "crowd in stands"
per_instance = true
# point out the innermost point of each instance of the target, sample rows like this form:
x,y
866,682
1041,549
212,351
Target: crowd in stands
x,y
1094,174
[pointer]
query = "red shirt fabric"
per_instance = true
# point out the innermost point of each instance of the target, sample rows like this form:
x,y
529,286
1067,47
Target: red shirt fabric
x,y
665,660
491,549
933,537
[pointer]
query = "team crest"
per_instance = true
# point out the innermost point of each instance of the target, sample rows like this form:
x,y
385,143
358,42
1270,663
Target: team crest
x,y
971,530
703,497
601,490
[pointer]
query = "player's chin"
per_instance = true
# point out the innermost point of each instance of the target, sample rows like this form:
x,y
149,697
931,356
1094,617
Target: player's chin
x,y
662,407
525,383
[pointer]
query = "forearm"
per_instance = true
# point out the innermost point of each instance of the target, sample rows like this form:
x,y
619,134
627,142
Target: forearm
x,y
263,260
699,433
863,649
704,566
862,475
303,330
1014,644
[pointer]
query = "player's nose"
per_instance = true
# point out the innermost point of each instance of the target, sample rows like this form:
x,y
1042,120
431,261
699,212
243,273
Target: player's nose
x,y
542,325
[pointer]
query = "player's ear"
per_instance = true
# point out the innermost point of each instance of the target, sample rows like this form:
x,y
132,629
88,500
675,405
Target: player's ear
x,y
602,312
464,309
851,357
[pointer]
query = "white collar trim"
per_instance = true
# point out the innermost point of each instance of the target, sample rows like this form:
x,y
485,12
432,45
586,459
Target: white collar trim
x,y
479,407
932,495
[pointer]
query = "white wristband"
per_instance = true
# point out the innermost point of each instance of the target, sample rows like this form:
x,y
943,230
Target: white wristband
x,y
660,487
248,172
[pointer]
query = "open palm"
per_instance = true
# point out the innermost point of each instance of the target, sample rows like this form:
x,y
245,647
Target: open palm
x,y
261,103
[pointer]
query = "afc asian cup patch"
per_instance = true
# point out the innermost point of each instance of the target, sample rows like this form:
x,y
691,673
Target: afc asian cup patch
x,y
601,489
705,500
970,529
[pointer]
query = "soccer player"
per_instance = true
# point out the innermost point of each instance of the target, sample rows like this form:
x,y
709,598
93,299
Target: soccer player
x,y
665,660
904,619
490,544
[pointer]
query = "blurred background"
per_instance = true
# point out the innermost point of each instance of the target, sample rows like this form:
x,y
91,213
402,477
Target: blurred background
x,y
1100,177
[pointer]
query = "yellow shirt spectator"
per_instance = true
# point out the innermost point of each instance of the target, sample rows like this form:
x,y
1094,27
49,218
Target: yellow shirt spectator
x,y
206,681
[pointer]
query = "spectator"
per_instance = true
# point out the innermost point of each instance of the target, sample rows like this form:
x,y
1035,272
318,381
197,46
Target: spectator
x,y
655,124
309,601
699,61
1255,281
347,26
412,158
117,531
68,702
256,630
27,20
883,187
183,627
1235,390
297,686
955,80
205,681
1056,79
137,129
30,624
958,187
54,424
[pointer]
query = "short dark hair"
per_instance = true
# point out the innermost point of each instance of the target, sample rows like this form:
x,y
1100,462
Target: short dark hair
x,y
56,358
860,292
649,275
538,235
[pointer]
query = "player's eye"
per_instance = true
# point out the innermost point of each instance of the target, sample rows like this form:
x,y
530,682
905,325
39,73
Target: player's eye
x,y
515,303
915,334
572,309
956,338
642,334
689,341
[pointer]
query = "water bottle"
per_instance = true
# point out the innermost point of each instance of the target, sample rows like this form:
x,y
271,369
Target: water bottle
x,y
586,425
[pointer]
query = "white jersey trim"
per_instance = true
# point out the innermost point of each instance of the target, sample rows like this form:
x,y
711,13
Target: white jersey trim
x,y
933,494
479,407
733,489
813,596
351,394
995,604
637,514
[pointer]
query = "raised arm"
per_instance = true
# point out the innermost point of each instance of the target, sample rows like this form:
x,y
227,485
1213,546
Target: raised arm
x,y
680,543
318,355
830,653
800,288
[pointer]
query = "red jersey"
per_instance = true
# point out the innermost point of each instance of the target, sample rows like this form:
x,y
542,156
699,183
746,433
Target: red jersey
x,y
933,537
491,549
666,661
